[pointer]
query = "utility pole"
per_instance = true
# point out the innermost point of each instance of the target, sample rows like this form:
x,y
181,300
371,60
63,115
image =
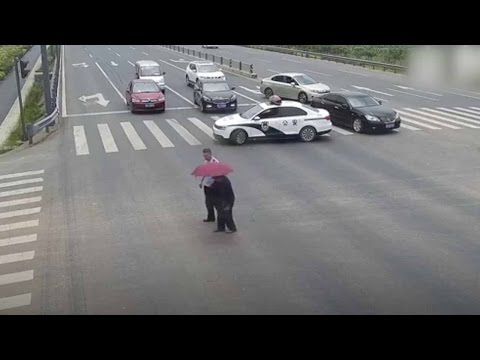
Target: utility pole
x,y
20,102
46,80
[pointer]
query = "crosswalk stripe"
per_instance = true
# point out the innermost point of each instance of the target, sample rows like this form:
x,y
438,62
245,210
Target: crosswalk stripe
x,y
341,131
19,225
16,301
132,136
250,90
23,212
464,116
21,191
443,118
21,182
408,127
27,173
205,128
11,258
468,110
107,138
411,113
474,108
16,277
18,240
406,119
158,134
184,133
20,201
81,145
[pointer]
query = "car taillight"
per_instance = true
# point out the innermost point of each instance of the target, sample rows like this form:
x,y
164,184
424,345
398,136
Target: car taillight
x,y
328,118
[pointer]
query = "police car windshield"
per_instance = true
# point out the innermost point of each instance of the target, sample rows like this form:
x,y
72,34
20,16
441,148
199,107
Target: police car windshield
x,y
216,87
151,71
305,80
251,112
363,101
207,68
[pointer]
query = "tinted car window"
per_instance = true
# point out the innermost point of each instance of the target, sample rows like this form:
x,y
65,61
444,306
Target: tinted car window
x,y
362,101
290,111
269,113
278,78
332,98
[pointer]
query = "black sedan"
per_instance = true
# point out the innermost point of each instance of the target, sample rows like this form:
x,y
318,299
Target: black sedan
x,y
214,95
358,111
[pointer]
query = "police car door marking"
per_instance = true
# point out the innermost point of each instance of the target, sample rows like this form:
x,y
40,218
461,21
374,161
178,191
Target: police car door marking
x,y
294,122
265,125
285,122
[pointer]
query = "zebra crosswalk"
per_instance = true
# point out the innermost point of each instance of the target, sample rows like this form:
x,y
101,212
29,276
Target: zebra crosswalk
x,y
194,131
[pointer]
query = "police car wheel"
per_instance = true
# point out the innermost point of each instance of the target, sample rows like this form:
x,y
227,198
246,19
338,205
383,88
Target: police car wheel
x,y
308,134
239,137
268,92
358,126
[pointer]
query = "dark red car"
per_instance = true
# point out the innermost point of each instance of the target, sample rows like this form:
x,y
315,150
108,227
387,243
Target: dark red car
x,y
145,95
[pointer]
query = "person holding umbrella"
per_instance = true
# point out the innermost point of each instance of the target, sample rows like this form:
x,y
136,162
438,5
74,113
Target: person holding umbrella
x,y
223,195
206,183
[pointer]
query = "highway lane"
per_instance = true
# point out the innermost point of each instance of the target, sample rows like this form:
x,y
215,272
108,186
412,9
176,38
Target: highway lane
x,y
364,224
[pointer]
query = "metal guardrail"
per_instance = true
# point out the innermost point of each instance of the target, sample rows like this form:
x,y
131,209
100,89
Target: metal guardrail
x,y
227,63
49,119
341,59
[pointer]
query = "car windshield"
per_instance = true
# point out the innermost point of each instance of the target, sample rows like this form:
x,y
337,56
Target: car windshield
x,y
145,87
151,71
305,80
216,87
207,68
363,101
251,112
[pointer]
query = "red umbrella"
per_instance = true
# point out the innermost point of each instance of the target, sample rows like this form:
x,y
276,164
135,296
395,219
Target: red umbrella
x,y
212,169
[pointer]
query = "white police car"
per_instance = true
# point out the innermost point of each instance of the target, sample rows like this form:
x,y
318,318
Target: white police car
x,y
274,119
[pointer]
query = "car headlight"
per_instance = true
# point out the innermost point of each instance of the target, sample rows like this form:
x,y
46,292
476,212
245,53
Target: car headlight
x,y
206,98
372,118
136,100
219,127
233,98
397,116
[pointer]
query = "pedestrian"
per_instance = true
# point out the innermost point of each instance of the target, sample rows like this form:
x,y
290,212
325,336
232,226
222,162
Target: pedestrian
x,y
224,198
206,183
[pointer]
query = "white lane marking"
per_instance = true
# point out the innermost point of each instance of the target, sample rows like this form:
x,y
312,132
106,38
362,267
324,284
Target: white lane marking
x,y
432,113
223,51
246,97
205,128
265,61
18,240
19,225
131,63
464,116
293,61
473,92
99,113
158,134
182,108
407,93
109,48
16,301
368,89
318,73
11,258
423,118
407,119
21,191
133,136
111,83
90,56
107,138
250,52
144,53
29,200
468,96
353,73
468,110
274,71
118,54
131,47
64,96
23,212
246,105
250,90
21,182
81,145
181,96
16,277
174,66
184,133
26,173
408,127
413,89
258,87
341,131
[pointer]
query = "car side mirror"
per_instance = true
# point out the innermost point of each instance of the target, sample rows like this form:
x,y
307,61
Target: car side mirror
x,y
292,83
380,102
232,88
345,106
194,70
256,118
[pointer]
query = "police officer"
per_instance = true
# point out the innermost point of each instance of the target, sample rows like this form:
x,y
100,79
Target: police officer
x,y
206,183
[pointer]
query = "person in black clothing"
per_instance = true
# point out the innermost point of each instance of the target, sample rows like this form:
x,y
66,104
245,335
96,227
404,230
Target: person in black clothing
x,y
224,199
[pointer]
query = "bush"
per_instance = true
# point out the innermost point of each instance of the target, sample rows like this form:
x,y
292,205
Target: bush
x,y
8,53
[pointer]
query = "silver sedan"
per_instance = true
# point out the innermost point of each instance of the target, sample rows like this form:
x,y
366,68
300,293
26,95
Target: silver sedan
x,y
295,86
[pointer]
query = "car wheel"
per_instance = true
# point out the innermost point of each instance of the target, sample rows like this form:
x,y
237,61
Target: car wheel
x,y
358,125
303,98
268,92
307,134
198,81
239,137
187,80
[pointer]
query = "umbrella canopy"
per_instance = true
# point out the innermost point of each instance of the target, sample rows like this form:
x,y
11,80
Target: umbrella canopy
x,y
212,169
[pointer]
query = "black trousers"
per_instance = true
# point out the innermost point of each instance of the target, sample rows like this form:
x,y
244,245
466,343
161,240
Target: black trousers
x,y
209,203
225,217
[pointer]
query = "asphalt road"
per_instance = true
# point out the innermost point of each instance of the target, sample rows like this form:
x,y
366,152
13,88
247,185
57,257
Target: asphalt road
x,y
349,224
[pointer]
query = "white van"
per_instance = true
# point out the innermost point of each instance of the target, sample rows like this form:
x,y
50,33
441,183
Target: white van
x,y
146,69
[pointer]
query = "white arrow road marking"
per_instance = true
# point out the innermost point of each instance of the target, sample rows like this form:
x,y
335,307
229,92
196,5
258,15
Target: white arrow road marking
x,y
113,63
368,89
413,89
83,65
250,90
407,93
100,99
